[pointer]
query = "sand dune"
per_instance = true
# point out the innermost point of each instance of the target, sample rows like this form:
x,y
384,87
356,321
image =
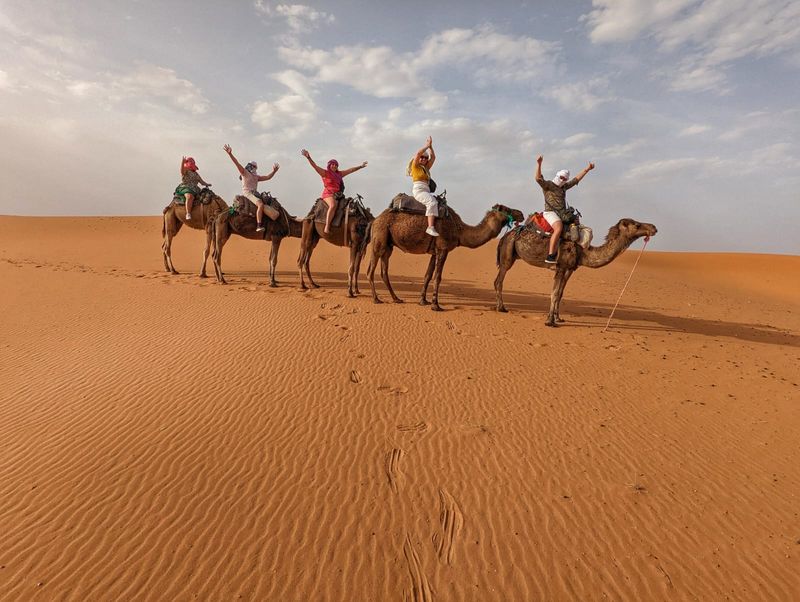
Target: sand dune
x,y
168,438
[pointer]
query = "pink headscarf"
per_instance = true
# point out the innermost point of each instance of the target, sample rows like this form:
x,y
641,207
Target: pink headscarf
x,y
190,164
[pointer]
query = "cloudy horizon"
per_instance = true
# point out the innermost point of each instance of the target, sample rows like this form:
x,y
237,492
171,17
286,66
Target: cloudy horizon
x,y
687,107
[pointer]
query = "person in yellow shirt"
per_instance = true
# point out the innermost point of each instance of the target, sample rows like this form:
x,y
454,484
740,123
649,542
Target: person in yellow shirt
x,y
419,168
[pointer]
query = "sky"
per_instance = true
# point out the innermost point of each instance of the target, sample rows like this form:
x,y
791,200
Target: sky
x,y
690,109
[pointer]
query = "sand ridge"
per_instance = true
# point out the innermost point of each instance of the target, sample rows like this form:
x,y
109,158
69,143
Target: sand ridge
x,y
165,437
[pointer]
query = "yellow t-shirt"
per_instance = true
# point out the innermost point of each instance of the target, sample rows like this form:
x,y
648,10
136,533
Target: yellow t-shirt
x,y
419,173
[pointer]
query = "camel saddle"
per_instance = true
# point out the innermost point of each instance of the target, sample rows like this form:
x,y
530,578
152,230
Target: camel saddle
x,y
204,198
408,204
575,232
345,209
243,206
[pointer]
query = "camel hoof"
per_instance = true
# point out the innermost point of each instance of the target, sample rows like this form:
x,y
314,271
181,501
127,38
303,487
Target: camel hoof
x,y
436,307
560,320
398,300
376,301
203,275
175,272
502,309
424,302
314,285
303,287
351,294
273,285
551,324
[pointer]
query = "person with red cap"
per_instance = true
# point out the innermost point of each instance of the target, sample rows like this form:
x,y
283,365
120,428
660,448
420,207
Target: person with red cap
x,y
333,182
250,179
190,183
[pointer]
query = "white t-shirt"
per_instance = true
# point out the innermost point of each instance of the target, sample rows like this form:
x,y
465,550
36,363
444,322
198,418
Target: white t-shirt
x,y
249,182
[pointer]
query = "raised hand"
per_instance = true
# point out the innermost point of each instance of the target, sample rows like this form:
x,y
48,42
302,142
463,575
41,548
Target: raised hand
x,y
227,148
429,142
364,164
275,167
305,153
590,167
539,159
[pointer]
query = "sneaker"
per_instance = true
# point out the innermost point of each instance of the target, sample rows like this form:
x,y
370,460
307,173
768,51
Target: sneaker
x,y
431,231
188,216
260,229
550,258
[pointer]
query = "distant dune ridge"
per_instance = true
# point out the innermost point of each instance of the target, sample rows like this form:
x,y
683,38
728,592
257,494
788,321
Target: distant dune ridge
x,y
168,437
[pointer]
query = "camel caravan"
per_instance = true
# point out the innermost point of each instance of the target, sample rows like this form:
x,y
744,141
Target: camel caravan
x,y
420,223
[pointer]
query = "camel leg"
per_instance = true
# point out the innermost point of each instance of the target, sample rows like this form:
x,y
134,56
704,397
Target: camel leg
x,y
171,227
555,296
441,257
357,269
305,246
385,274
561,294
209,237
311,283
351,271
220,238
506,259
273,260
377,251
423,299
301,260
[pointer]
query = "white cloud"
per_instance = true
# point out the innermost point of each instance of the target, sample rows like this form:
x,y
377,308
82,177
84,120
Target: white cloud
x,y
299,17
694,129
291,115
582,96
710,33
162,83
5,81
577,139
486,56
690,167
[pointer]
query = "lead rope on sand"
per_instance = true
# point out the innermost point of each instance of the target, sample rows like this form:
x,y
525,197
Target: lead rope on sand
x,y
646,240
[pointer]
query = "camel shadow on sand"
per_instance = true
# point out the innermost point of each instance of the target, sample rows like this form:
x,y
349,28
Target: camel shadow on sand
x,y
464,294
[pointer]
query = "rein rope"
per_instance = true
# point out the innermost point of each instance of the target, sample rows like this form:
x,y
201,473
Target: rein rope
x,y
626,285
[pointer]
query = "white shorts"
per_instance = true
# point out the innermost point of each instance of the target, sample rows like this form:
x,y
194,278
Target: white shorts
x,y
422,192
252,196
551,217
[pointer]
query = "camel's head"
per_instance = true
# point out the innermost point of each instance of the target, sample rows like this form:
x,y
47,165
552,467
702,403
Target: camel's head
x,y
511,215
631,229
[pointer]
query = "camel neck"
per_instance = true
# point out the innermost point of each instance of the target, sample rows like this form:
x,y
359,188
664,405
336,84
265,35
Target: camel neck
x,y
488,228
597,257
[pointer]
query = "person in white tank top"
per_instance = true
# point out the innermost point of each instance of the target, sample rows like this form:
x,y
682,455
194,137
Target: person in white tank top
x,y
250,179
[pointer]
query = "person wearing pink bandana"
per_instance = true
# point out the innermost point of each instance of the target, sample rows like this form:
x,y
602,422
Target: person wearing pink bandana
x,y
333,183
190,183
555,202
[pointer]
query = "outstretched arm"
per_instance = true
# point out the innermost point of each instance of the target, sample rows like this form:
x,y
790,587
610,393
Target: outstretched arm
x,y
227,148
586,170
539,177
275,168
316,167
347,172
432,159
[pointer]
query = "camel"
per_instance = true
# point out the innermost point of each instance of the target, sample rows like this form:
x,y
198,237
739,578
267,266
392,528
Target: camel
x,y
230,222
532,248
353,234
406,231
207,206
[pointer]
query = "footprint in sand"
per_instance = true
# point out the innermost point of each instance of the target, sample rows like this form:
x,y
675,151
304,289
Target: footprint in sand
x,y
393,468
390,390
355,376
420,427
420,588
452,521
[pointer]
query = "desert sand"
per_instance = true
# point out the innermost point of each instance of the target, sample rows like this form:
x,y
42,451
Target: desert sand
x,y
169,438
